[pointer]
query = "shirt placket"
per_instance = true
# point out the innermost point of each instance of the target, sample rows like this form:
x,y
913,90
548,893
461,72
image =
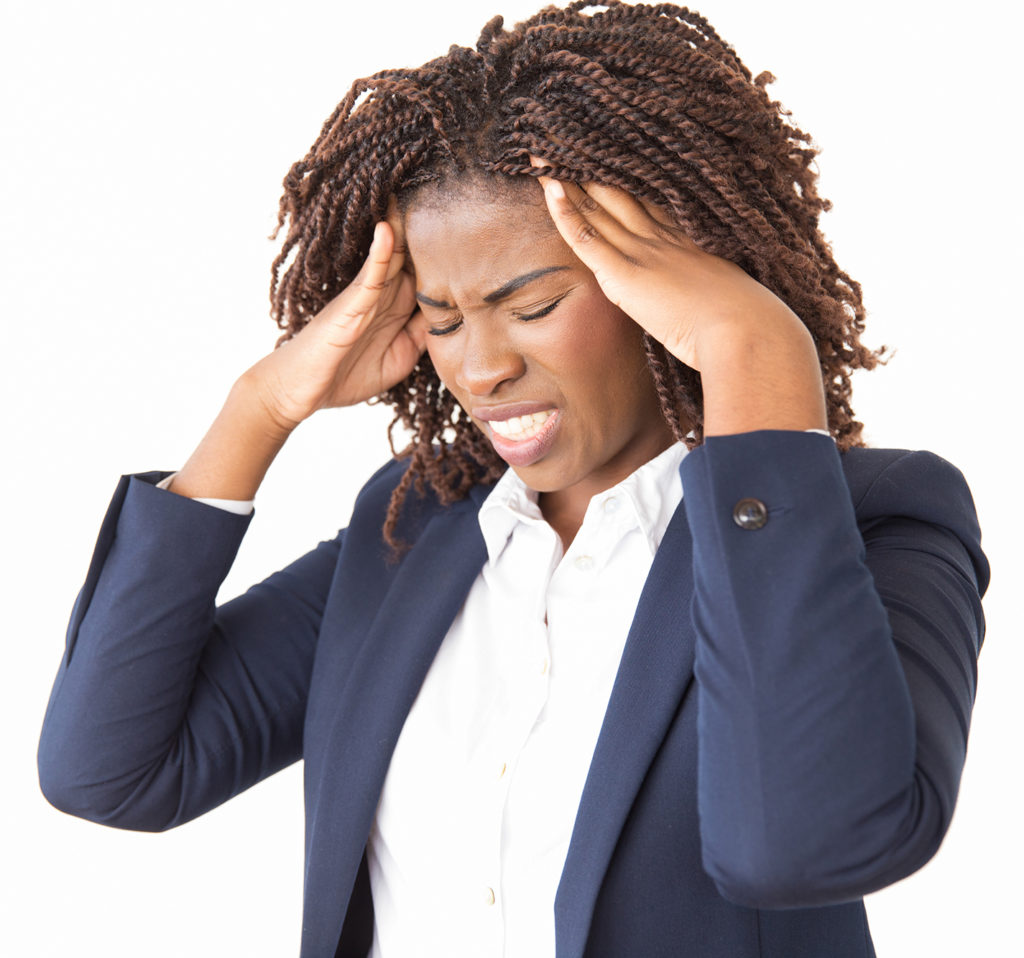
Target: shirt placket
x,y
528,579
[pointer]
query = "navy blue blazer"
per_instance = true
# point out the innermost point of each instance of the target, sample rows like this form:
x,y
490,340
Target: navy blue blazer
x,y
786,731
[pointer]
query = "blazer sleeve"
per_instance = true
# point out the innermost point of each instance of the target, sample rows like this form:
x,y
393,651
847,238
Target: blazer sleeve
x,y
836,663
164,706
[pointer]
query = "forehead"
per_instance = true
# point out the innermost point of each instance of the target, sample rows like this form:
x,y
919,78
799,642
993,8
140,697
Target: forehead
x,y
452,233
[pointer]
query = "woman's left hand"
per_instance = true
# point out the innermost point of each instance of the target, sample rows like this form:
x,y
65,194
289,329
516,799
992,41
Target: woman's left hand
x,y
648,267
757,359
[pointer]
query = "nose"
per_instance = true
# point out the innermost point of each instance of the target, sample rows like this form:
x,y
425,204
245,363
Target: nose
x,y
489,359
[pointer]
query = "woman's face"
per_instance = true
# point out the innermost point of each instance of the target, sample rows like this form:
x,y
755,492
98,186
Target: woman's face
x,y
520,332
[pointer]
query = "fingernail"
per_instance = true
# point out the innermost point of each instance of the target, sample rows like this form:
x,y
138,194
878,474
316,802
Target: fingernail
x,y
555,189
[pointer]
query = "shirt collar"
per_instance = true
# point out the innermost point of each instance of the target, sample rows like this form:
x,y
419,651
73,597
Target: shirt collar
x,y
653,492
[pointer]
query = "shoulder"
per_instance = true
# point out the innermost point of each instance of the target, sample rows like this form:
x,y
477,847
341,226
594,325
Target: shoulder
x,y
920,482
374,500
377,490
918,486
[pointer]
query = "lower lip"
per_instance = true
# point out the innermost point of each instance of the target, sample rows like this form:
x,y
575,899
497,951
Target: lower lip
x,y
525,452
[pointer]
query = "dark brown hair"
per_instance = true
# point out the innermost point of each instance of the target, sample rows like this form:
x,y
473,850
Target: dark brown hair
x,y
647,98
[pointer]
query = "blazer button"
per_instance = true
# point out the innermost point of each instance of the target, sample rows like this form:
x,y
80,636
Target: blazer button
x,y
750,514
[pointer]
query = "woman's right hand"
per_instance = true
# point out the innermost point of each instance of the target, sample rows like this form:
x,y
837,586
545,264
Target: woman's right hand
x,y
364,341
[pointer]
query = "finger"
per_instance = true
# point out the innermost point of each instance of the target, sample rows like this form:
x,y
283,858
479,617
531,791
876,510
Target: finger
x,y
404,350
364,292
538,162
621,205
640,217
374,271
661,215
633,212
585,197
386,253
417,327
669,224
580,229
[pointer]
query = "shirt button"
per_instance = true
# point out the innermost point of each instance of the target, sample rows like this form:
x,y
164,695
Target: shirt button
x,y
611,505
504,767
544,667
584,563
489,896
750,514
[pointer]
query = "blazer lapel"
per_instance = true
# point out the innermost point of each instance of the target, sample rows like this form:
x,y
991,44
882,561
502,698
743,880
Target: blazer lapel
x,y
653,676
425,595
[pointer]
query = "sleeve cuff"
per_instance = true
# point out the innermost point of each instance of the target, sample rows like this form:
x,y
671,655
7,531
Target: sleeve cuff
x,y
239,507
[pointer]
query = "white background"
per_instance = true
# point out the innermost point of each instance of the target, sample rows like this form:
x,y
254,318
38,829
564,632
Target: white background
x,y
143,147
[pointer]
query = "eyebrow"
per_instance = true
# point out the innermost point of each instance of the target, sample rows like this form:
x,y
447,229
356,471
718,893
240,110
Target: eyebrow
x,y
501,292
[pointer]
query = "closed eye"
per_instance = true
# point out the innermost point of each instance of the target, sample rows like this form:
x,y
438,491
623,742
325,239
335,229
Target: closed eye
x,y
540,312
445,330
525,317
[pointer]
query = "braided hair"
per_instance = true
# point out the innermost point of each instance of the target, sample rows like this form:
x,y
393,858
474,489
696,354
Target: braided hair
x,y
647,98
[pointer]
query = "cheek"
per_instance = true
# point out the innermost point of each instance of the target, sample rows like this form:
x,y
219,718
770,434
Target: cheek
x,y
613,370
608,341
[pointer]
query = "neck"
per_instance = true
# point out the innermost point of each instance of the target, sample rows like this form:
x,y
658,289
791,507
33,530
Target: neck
x,y
564,518
564,509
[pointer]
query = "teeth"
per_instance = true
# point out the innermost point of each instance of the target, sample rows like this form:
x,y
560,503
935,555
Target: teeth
x,y
521,427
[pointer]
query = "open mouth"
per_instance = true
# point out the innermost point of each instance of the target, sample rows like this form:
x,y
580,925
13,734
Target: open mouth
x,y
522,440
521,428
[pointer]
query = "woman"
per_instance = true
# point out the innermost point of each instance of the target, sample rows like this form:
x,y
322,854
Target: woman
x,y
516,735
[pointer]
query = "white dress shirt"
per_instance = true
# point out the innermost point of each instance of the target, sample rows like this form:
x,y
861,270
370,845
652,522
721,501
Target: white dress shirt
x,y
480,798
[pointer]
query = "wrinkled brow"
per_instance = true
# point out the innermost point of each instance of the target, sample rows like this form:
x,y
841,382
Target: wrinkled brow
x,y
506,289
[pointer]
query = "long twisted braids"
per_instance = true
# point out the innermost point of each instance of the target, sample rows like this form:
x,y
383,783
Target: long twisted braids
x,y
647,98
